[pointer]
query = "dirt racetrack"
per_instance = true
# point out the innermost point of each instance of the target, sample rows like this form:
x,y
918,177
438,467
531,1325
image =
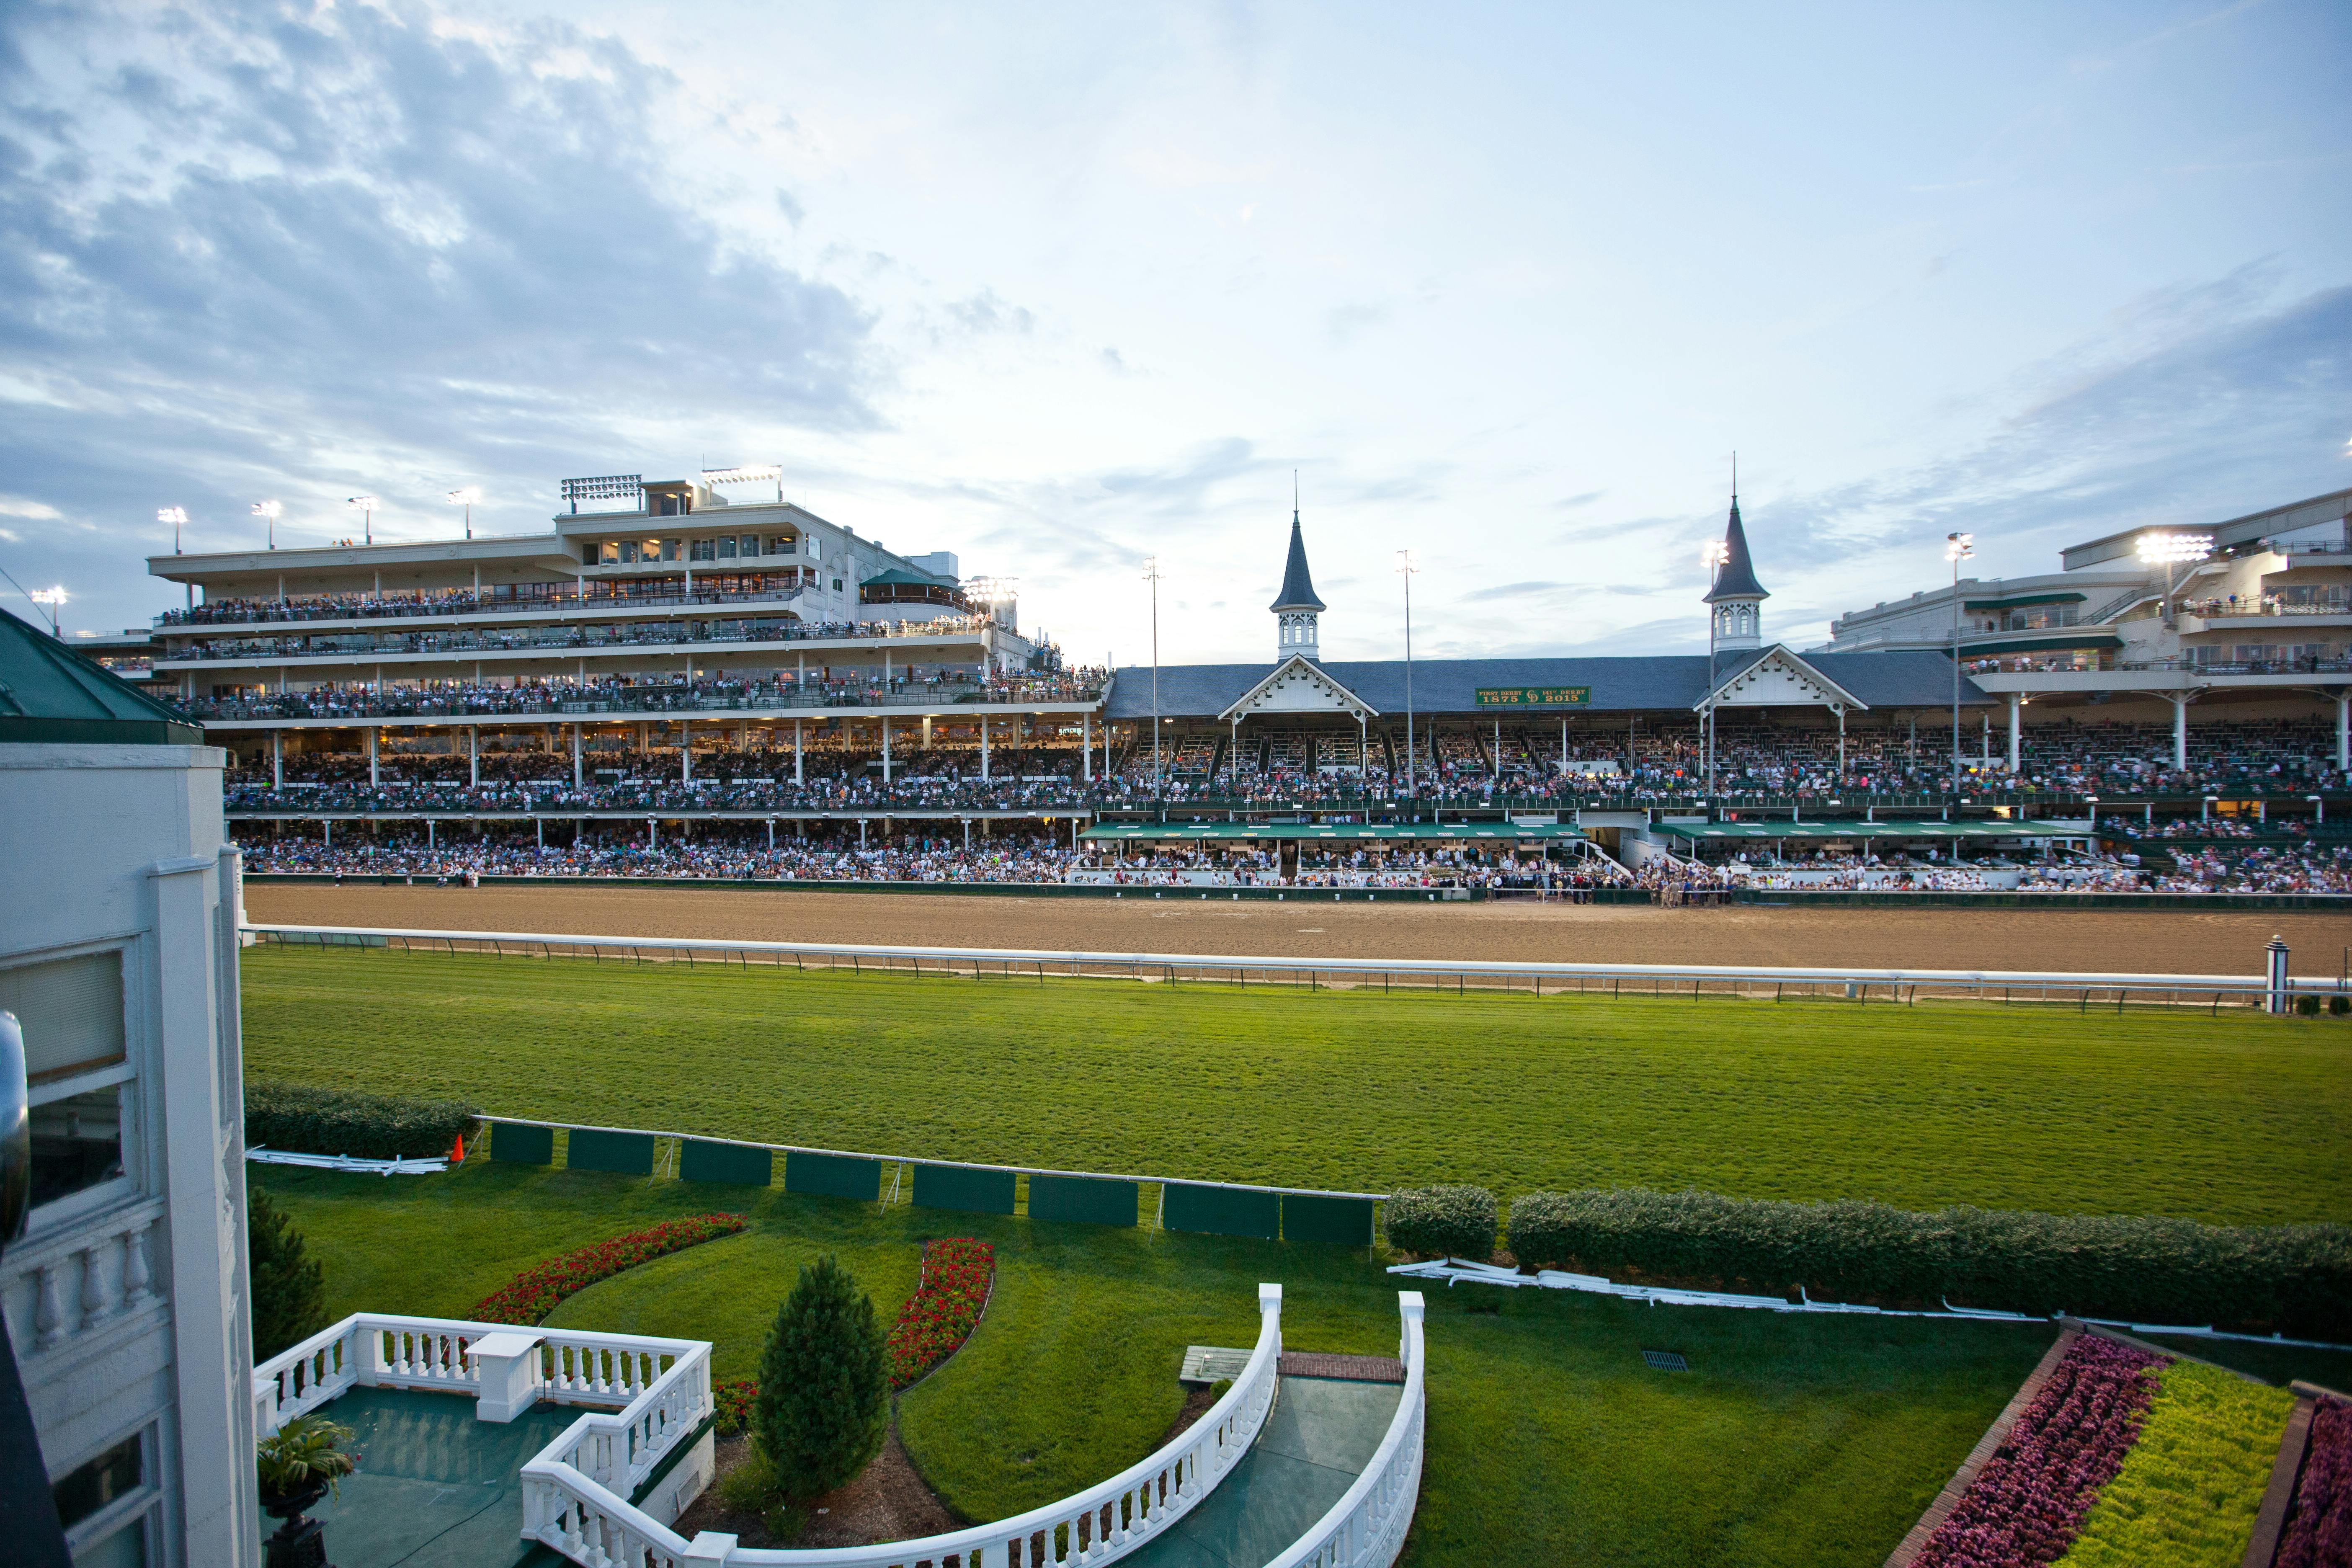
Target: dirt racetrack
x,y
2133,941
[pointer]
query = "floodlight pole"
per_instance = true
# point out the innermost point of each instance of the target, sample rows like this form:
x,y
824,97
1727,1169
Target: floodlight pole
x,y
1957,547
1152,576
1405,568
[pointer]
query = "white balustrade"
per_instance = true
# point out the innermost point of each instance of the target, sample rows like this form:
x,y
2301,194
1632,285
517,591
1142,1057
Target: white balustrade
x,y
1366,1528
567,1510
65,1286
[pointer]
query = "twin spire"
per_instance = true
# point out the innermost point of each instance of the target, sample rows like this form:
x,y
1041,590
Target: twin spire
x,y
1295,608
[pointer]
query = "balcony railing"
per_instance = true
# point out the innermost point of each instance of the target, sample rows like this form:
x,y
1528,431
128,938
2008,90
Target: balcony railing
x,y
504,598
351,703
576,638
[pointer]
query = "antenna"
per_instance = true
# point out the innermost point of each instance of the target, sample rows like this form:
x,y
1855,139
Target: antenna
x,y
1293,495
1735,474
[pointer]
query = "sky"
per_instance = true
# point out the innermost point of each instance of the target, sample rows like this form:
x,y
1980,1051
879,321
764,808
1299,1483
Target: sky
x,y
1067,290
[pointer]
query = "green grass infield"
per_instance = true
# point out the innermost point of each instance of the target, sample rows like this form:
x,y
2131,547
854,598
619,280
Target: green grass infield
x,y
2240,1118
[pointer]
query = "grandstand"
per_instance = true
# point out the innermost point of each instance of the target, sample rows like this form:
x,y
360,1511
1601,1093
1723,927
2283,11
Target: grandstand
x,y
692,659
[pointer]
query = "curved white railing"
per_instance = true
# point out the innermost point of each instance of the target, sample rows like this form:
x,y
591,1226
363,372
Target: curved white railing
x,y
590,1523
1365,1529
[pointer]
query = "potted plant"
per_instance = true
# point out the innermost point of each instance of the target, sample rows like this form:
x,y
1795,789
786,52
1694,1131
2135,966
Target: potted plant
x,y
300,1463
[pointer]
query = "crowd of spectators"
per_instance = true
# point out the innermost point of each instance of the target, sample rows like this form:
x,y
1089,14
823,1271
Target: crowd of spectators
x,y
537,639
728,850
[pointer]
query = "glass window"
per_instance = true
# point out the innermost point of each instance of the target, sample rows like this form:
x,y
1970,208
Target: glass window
x,y
89,1486
702,549
71,1012
815,551
77,1143
779,544
628,548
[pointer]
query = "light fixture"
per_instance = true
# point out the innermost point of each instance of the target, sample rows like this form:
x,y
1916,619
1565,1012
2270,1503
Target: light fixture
x,y
1714,553
466,497
365,506
52,598
270,509
2173,552
178,516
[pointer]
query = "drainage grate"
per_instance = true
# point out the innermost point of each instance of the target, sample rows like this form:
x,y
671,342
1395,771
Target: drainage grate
x,y
1665,1360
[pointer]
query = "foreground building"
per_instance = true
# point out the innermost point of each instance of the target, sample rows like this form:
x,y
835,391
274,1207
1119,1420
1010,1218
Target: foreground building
x,y
126,1299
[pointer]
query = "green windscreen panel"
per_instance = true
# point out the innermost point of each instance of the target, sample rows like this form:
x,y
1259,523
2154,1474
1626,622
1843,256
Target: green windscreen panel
x,y
833,1176
729,1163
958,1187
520,1145
628,1154
1084,1200
1348,1221
1223,1211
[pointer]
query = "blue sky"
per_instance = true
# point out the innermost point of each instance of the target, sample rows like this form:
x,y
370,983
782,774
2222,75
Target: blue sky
x,y
1062,288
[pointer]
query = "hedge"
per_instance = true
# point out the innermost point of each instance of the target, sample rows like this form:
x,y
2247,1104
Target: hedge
x,y
303,1119
2292,1279
1442,1222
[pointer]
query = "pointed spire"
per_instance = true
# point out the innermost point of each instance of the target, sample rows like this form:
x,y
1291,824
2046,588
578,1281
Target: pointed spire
x,y
1297,587
1736,578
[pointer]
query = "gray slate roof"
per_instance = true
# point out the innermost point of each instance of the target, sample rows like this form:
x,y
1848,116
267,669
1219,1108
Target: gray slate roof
x,y
1636,684
1297,587
1736,578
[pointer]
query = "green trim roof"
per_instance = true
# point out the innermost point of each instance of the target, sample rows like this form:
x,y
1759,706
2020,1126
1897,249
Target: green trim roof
x,y
1703,831
51,695
1215,832
895,578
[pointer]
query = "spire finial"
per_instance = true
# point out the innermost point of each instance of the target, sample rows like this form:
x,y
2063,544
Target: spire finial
x,y
1734,476
1293,495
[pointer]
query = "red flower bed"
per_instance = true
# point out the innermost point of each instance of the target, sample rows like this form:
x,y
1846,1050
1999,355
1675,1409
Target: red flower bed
x,y
2027,1504
938,1317
533,1293
2319,1527
733,1401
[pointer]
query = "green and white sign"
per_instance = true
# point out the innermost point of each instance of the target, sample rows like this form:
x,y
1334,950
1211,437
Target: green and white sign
x,y
1535,697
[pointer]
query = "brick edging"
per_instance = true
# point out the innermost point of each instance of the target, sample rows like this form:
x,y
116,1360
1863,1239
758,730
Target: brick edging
x,y
2286,1472
1996,1434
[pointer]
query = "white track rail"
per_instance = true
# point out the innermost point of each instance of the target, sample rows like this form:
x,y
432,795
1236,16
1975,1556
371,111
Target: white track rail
x,y
1639,979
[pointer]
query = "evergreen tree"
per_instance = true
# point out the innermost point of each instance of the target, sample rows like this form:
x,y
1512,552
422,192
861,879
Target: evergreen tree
x,y
824,1407
289,1292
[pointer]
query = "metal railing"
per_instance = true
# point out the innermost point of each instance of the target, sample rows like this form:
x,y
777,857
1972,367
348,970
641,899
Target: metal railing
x,y
2081,989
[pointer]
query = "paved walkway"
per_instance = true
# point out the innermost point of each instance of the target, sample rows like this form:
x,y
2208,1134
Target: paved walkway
x,y
1318,1440
436,1487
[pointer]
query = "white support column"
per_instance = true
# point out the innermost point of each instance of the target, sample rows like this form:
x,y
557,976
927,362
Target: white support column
x,y
983,748
1087,747
1841,719
886,751
2180,731
198,1041
2344,730
371,755
797,776
686,751
276,759
579,772
473,754
2016,732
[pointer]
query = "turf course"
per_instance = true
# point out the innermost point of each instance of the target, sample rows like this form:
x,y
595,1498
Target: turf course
x,y
1804,1442
2240,1118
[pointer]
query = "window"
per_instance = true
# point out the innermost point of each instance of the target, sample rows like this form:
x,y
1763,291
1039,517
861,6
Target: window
x,y
816,548
75,1064
104,1504
836,584
727,547
705,550
779,544
626,550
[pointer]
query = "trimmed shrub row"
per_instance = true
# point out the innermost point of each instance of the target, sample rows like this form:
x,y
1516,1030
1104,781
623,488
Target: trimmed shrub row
x,y
1442,1222
307,1120
2290,1279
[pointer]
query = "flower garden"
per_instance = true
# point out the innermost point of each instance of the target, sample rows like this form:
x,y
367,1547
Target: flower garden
x,y
941,1315
2319,1526
536,1291
2130,1459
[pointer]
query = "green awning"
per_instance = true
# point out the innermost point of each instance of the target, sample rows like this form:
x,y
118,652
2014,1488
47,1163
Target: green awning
x,y
1229,832
2057,639
2020,601
1744,831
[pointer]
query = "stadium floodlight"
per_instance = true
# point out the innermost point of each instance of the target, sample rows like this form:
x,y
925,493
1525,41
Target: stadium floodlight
x,y
2173,552
466,497
754,473
1714,553
178,516
365,506
270,509
1957,547
52,598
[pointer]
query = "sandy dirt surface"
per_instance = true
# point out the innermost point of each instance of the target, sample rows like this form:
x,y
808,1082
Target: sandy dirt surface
x,y
2151,942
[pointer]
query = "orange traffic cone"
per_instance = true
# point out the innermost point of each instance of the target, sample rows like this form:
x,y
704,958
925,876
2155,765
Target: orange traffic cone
x,y
457,1155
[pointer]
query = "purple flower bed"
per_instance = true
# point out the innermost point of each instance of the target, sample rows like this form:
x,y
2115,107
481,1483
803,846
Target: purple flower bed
x,y
2319,1526
2027,1504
